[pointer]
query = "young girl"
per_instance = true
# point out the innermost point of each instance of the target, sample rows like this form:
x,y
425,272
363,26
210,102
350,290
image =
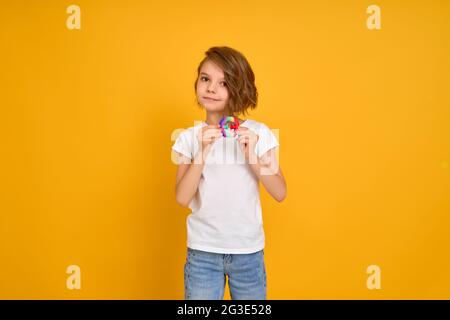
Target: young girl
x,y
218,179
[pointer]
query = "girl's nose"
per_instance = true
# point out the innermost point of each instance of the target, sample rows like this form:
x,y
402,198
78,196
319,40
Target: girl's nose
x,y
211,88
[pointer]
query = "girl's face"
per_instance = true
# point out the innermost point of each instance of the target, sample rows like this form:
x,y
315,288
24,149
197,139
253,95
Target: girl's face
x,y
212,90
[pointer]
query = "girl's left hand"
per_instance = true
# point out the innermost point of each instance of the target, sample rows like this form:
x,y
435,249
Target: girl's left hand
x,y
247,141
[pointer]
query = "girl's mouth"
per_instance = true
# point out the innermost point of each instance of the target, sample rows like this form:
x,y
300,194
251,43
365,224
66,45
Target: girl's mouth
x,y
210,99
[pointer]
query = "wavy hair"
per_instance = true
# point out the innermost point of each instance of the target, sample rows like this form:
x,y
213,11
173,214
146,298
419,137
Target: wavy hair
x,y
239,78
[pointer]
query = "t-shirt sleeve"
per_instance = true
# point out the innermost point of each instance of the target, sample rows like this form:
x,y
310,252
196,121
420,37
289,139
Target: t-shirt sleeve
x,y
183,144
266,141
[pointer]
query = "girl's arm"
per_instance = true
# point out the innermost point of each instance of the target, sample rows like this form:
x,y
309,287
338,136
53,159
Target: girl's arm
x,y
188,177
265,168
189,174
269,173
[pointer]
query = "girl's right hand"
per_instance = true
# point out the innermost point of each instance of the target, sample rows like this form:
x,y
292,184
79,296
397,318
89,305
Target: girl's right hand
x,y
208,135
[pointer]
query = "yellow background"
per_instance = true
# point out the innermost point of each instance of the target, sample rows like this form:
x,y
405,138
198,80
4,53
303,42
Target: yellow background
x,y
87,118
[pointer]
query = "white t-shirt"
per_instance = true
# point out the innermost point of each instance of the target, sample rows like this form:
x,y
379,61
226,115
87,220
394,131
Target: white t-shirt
x,y
226,212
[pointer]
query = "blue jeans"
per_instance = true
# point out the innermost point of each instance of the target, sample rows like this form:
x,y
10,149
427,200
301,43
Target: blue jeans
x,y
205,275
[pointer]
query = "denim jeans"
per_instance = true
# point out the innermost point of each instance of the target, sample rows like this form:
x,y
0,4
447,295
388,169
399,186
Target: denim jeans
x,y
205,275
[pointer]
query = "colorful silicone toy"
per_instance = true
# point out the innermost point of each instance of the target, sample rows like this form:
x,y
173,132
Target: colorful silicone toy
x,y
229,124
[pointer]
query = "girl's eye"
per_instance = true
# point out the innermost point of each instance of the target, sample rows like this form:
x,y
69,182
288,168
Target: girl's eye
x,y
203,78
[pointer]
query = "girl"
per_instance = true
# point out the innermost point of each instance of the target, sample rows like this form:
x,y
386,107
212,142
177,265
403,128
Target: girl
x,y
218,179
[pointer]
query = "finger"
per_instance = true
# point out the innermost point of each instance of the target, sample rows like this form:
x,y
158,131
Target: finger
x,y
211,127
214,131
213,134
244,135
209,135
